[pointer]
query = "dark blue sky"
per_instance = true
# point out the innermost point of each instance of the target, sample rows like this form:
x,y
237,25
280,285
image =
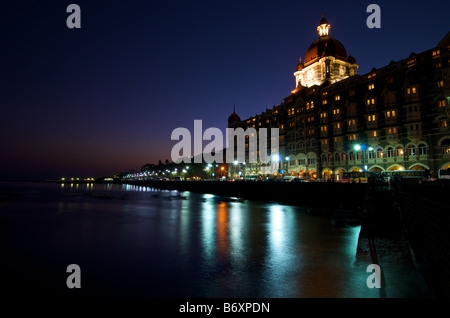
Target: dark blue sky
x,y
106,97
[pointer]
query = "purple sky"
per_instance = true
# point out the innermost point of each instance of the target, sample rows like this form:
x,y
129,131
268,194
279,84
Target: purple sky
x,y
106,97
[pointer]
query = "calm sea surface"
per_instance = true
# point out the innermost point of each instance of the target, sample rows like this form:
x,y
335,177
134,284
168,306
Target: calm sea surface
x,y
136,241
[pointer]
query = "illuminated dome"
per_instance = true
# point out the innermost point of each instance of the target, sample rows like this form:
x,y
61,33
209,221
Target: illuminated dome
x,y
325,45
326,60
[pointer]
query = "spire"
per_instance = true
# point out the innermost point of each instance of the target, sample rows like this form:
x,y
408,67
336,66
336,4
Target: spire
x,y
234,108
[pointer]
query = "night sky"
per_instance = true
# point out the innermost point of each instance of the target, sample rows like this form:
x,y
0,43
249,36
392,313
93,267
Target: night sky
x,y
105,98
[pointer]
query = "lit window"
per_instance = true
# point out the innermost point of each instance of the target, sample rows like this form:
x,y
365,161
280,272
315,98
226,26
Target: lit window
x,y
324,102
371,86
337,97
379,153
442,103
436,53
440,84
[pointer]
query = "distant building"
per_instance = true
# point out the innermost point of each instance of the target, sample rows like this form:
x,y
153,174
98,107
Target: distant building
x,y
393,118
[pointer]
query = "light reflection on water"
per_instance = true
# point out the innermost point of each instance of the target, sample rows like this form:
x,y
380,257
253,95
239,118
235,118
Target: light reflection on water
x,y
142,241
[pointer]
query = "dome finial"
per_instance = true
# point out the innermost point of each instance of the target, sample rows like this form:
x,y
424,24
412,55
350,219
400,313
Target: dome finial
x,y
234,108
323,27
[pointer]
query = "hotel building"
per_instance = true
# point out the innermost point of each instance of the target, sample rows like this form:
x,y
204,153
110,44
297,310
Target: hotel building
x,y
393,118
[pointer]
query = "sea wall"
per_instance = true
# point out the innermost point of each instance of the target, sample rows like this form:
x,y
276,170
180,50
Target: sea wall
x,y
425,214
310,194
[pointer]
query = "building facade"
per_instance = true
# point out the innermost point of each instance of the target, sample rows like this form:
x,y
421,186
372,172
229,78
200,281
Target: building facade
x,y
393,118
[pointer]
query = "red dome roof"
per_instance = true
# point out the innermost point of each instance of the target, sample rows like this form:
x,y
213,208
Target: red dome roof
x,y
326,46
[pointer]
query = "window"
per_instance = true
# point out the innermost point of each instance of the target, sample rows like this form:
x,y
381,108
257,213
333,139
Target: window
x,y
352,155
440,84
422,149
399,151
323,115
391,113
370,101
323,128
352,137
371,154
324,158
390,152
445,147
337,97
392,131
371,118
324,102
344,156
359,155
379,153
411,150
371,86
442,103
411,90
351,122
436,52
443,122
312,161
373,133
336,111
336,157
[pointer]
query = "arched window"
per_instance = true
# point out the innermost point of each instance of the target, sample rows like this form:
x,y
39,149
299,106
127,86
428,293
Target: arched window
x,y
379,153
336,157
330,157
422,149
344,156
371,154
359,155
399,151
445,147
324,158
411,150
352,155
390,152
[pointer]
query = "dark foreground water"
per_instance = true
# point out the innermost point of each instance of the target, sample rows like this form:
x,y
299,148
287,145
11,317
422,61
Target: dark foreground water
x,y
134,241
